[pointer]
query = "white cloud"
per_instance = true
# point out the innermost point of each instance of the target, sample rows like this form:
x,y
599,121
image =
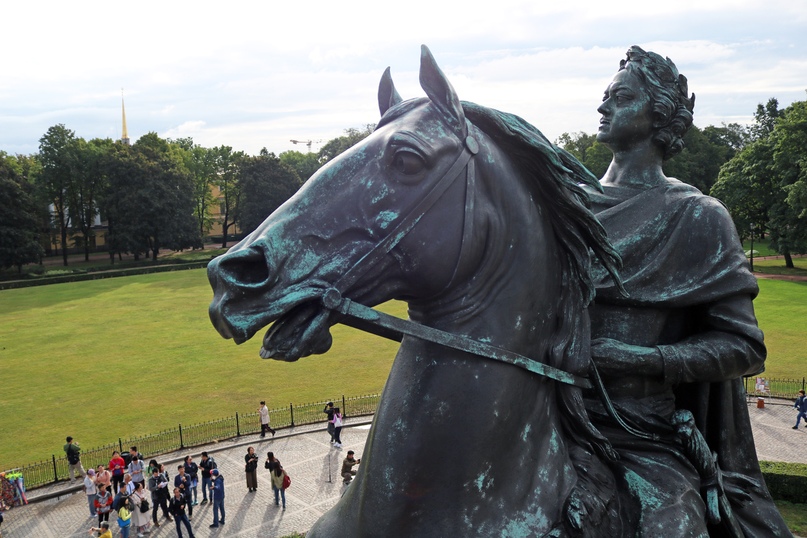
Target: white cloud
x,y
250,74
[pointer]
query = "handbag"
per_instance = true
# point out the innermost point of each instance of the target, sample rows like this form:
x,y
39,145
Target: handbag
x,y
286,480
144,506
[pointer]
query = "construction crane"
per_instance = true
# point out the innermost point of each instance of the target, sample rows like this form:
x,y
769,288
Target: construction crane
x,y
306,142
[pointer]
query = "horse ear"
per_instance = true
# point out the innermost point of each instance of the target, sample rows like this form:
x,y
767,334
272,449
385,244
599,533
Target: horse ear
x,y
387,94
441,93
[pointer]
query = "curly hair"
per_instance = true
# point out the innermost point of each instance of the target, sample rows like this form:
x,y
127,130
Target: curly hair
x,y
672,109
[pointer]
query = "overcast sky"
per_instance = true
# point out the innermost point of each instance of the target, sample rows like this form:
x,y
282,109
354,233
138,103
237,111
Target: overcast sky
x,y
258,74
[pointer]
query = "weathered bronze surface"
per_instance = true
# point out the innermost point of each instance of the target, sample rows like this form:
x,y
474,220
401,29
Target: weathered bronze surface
x,y
481,225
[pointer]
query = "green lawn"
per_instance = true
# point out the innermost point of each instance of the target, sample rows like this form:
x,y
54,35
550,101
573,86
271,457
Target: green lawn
x,y
128,356
762,247
781,309
777,267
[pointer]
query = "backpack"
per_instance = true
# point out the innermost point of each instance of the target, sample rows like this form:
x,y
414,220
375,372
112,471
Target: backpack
x,y
73,456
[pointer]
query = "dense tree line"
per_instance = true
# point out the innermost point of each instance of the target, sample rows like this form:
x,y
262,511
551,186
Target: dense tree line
x,y
155,194
759,172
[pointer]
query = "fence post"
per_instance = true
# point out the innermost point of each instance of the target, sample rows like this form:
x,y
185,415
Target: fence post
x,y
802,383
237,426
55,473
120,446
344,408
181,442
291,413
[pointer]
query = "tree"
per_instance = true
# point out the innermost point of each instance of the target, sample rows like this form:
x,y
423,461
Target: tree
x,y
228,166
19,216
764,184
342,143
305,164
150,203
56,153
765,119
594,156
745,184
87,184
789,217
201,165
265,184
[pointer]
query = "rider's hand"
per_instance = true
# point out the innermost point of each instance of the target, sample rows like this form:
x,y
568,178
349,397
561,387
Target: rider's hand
x,y
615,358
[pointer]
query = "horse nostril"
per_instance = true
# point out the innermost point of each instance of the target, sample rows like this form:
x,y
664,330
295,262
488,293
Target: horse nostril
x,y
241,268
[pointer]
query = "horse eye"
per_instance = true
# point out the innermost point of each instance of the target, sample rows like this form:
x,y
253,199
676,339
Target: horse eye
x,y
408,163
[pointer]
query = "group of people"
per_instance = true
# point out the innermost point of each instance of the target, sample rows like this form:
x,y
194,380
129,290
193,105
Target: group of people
x,y
335,421
279,477
122,487
126,484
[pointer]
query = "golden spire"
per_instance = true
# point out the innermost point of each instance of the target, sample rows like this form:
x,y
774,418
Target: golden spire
x,y
125,136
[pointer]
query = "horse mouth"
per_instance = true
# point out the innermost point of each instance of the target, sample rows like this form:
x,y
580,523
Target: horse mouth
x,y
302,331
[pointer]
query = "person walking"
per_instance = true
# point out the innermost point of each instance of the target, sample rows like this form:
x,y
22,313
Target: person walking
x,y
337,428
192,469
279,484
158,486
347,467
73,453
329,412
103,504
207,465
264,412
177,506
217,497
801,405
91,490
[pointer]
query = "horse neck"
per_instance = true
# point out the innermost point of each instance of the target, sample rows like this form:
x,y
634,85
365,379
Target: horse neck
x,y
508,277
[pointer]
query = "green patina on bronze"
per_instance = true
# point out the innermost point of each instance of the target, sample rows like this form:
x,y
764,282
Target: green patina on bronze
x,y
481,224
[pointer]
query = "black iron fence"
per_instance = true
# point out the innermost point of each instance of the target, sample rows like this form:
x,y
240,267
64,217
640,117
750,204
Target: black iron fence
x,y
766,387
46,472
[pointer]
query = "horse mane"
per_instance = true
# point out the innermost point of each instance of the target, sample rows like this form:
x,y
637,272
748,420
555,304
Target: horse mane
x,y
555,178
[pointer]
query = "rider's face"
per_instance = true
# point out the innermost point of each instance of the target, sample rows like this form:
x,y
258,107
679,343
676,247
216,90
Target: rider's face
x,y
626,112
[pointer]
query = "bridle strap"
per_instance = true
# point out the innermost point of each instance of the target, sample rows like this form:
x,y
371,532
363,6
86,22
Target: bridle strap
x,y
371,320
382,248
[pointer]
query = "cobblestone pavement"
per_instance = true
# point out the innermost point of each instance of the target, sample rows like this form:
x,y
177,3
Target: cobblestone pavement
x,y
774,436
305,453
316,486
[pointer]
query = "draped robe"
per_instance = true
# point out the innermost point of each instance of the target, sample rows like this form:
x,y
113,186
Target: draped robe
x,y
690,294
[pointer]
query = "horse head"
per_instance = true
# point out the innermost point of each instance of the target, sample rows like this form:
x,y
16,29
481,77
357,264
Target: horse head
x,y
321,237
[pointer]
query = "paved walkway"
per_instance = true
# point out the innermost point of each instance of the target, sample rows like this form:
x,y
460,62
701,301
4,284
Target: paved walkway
x,y
316,486
305,453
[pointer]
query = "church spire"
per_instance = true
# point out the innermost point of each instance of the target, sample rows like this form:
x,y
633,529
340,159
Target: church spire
x,y
125,136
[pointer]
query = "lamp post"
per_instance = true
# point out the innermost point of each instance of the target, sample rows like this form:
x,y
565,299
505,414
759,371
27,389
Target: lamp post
x,y
753,226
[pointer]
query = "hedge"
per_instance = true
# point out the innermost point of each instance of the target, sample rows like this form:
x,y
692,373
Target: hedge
x,y
785,481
